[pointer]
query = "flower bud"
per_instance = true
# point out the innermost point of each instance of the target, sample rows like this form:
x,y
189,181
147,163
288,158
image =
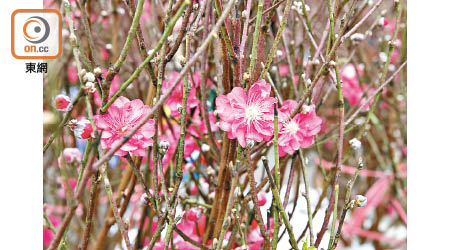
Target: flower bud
x,y
89,77
383,21
71,124
357,37
262,199
246,76
193,190
83,72
205,147
355,144
90,87
144,199
163,147
83,129
360,201
97,71
73,39
195,155
181,59
63,103
210,170
244,14
250,143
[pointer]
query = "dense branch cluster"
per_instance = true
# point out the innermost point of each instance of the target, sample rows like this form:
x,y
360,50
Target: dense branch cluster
x,y
226,124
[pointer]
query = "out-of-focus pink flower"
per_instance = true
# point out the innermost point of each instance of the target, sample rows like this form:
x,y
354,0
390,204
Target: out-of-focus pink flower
x,y
83,129
262,199
193,214
63,103
71,155
189,228
105,54
352,91
193,189
247,116
298,132
120,118
48,234
72,74
254,237
176,98
284,69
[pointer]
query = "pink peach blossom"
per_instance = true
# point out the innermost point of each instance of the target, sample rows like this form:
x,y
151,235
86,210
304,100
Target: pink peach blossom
x,y
63,103
299,131
83,129
247,116
120,118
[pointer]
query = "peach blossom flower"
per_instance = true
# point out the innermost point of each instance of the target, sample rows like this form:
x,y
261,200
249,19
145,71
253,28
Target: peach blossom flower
x,y
120,118
247,116
299,131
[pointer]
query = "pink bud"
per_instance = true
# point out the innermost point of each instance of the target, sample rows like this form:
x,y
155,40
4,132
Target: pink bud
x,y
193,189
262,199
83,129
193,214
383,21
63,103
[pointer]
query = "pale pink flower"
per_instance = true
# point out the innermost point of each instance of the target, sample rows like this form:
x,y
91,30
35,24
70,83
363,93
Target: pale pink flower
x,y
247,116
176,98
298,132
120,118
83,129
71,155
63,103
